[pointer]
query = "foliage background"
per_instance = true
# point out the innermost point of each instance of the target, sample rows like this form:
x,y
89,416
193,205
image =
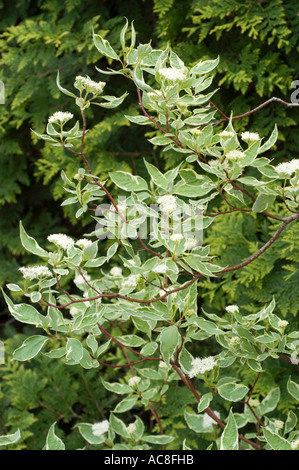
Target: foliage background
x,y
257,42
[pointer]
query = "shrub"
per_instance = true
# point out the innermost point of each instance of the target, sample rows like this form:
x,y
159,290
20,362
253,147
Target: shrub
x,y
132,305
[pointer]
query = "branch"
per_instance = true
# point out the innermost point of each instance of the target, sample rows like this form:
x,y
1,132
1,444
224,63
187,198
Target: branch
x,y
254,110
286,221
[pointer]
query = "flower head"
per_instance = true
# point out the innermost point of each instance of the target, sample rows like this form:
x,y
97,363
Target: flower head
x,y
154,95
160,269
234,341
60,118
176,237
167,203
227,134
172,74
35,272
190,243
282,323
131,281
133,381
250,136
100,428
131,428
288,168
200,366
61,240
278,424
85,83
235,155
196,131
83,243
232,308
116,271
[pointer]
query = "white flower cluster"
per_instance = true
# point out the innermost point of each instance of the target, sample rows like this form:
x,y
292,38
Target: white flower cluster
x,y
100,428
235,155
35,272
60,118
160,269
232,308
61,240
96,88
176,237
278,424
131,428
131,281
250,136
200,366
172,74
190,243
288,168
167,203
196,131
116,271
134,381
83,243
227,134
282,323
154,95
234,341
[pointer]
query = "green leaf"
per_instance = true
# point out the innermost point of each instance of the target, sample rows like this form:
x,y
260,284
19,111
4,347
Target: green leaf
x,y
290,422
141,120
128,182
30,244
158,439
275,441
123,34
74,350
270,402
159,140
131,340
125,405
232,391
111,101
30,348
205,401
104,47
204,67
251,154
118,426
25,313
270,142
230,438
293,389
53,442
115,387
208,326
158,178
198,422
10,438
85,430
169,340
262,202
63,90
